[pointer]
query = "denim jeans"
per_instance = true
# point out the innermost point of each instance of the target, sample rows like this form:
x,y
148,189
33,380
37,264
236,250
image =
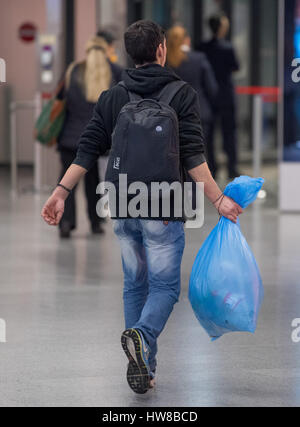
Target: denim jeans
x,y
151,256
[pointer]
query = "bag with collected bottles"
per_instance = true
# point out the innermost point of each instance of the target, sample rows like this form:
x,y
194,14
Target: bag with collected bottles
x,y
225,288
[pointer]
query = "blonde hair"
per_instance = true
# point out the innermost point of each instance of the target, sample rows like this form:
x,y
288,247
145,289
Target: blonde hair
x,y
175,39
97,75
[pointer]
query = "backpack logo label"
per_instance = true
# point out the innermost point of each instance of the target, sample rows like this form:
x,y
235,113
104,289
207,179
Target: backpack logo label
x,y
159,129
117,162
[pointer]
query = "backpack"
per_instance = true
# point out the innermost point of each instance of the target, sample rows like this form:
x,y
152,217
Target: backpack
x,y
145,140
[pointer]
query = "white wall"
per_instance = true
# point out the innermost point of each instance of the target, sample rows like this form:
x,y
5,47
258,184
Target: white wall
x,y
21,59
21,70
85,25
114,12
289,200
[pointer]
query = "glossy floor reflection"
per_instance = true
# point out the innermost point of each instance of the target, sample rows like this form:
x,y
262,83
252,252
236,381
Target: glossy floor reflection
x,y
62,305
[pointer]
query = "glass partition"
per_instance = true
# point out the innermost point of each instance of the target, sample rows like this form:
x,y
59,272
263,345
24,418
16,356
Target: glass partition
x,y
291,151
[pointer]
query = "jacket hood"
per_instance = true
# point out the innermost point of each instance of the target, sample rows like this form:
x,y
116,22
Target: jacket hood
x,y
148,79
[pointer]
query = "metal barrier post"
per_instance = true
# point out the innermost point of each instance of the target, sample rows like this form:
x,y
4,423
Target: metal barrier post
x,y
37,150
13,150
257,133
14,107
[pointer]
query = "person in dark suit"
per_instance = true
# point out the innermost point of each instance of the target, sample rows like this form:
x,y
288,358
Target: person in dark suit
x,y
194,68
223,60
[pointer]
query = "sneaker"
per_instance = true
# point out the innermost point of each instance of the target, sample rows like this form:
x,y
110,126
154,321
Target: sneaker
x,y
137,351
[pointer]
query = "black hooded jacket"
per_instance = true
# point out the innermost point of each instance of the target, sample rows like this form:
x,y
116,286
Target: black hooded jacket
x,y
147,81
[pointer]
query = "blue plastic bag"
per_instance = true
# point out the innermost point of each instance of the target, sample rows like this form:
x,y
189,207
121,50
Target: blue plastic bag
x,y
225,288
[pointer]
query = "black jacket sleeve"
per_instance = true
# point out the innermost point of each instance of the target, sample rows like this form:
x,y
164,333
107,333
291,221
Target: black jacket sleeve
x,y
94,141
234,63
191,136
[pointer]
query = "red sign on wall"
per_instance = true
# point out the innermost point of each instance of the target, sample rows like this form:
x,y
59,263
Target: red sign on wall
x,y
27,32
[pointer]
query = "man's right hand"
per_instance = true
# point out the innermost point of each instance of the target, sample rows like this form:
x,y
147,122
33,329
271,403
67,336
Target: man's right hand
x,y
229,209
53,209
224,205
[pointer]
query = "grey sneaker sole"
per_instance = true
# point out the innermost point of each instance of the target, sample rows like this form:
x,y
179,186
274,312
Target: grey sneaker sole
x,y
138,375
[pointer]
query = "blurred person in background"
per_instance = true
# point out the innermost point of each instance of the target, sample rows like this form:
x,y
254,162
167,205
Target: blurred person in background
x,y
109,34
87,80
110,37
223,60
193,68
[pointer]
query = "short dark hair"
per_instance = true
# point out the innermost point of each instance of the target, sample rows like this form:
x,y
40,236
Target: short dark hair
x,y
108,36
215,21
142,40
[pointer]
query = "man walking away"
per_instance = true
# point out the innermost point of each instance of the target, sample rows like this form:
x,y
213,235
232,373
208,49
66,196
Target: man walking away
x,y
223,60
151,247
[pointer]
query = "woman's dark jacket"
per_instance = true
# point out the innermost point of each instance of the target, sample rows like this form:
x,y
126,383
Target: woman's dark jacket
x,y
197,71
78,110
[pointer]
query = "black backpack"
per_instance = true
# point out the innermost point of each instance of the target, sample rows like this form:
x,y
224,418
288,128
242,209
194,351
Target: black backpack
x,y
145,140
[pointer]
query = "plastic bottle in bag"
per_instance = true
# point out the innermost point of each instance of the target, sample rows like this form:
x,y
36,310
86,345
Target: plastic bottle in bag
x,y
225,288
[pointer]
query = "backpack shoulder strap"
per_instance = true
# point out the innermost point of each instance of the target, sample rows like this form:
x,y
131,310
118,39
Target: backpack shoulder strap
x,y
132,95
170,90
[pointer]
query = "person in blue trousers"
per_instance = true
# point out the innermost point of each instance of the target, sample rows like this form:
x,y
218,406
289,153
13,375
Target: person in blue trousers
x,y
151,247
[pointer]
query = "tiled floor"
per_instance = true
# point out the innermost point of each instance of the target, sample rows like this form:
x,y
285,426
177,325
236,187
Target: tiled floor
x,y
62,303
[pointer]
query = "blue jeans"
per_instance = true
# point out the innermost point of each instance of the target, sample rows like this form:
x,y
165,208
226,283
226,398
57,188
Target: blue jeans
x,y
151,257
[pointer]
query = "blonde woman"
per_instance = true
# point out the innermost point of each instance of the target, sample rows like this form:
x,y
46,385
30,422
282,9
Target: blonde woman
x,y
86,81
